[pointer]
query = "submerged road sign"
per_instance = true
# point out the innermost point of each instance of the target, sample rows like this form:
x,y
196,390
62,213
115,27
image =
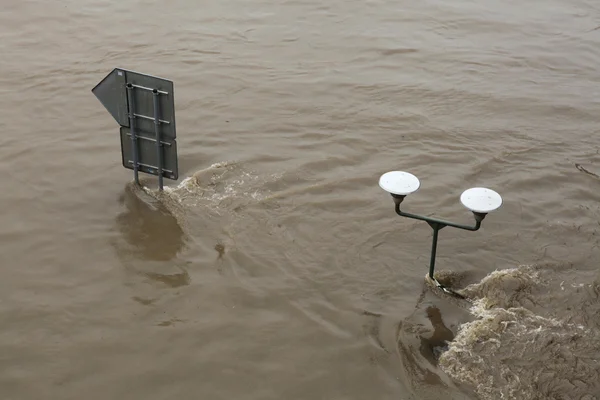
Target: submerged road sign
x,y
147,155
144,107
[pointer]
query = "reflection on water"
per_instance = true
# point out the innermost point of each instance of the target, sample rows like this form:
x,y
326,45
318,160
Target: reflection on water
x,y
149,229
417,341
432,346
150,240
423,336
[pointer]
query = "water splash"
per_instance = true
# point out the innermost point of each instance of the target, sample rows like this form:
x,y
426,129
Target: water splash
x,y
223,185
534,337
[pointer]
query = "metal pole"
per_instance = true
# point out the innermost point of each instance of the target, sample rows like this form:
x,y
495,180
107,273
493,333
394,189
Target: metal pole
x,y
134,147
436,225
159,152
436,229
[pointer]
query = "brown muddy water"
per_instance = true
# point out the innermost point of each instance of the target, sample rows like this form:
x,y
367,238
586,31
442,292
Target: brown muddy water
x,y
276,268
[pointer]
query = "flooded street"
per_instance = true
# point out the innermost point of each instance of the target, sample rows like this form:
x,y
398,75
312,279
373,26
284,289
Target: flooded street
x,y
276,267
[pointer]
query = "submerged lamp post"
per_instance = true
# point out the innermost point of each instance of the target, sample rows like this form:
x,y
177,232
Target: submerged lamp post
x,y
480,201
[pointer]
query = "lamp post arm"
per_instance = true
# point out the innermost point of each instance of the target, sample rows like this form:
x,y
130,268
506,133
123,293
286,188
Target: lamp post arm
x,y
442,223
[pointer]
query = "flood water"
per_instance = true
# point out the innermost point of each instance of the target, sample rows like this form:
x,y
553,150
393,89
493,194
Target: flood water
x,y
275,267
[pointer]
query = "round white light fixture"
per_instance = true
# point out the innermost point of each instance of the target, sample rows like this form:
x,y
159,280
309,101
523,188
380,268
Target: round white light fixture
x,y
481,200
399,183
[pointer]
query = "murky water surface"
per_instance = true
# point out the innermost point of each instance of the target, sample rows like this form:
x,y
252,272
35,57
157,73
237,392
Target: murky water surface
x,y
276,268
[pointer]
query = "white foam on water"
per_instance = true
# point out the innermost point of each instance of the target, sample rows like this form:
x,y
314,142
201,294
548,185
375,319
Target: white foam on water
x,y
215,185
220,191
526,342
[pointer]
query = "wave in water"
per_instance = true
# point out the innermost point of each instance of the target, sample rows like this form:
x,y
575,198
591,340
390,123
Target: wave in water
x,y
535,336
531,332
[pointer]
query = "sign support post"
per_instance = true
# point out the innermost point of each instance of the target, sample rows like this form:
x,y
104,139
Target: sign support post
x,y
134,146
159,157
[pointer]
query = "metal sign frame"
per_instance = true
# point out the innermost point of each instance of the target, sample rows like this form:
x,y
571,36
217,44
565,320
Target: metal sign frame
x,y
144,106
